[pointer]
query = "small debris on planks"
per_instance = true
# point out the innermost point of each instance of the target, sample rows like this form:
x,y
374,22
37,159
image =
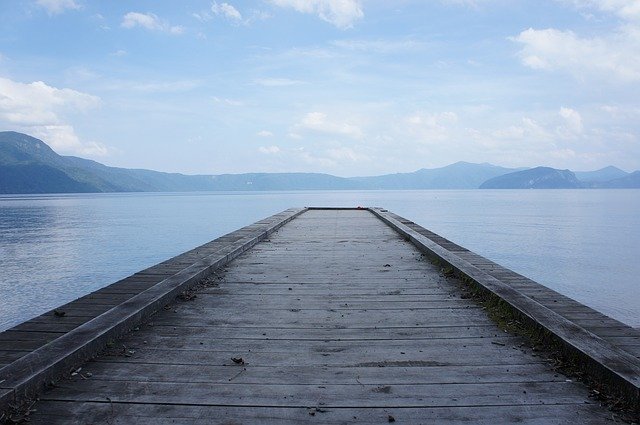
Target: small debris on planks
x,y
59,313
187,296
237,360
502,344
387,265
391,418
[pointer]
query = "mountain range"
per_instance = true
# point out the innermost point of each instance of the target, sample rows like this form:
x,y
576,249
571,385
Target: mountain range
x,y
28,165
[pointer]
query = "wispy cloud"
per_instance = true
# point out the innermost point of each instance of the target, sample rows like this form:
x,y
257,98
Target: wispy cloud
x,y
340,13
150,22
616,56
264,133
231,13
226,10
343,153
269,150
572,122
227,101
625,9
431,127
320,122
55,7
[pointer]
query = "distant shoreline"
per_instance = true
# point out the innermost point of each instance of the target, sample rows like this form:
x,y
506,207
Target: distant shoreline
x,y
30,166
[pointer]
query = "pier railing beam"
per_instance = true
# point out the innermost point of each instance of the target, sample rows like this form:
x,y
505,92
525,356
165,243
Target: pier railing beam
x,y
26,377
607,364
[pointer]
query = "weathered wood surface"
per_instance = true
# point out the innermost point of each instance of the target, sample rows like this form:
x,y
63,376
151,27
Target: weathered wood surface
x,y
337,319
605,327
608,362
61,342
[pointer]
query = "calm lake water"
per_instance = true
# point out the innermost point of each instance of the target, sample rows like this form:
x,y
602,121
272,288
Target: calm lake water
x,y
55,248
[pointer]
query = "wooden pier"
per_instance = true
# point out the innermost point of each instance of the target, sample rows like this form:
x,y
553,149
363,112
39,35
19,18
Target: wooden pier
x,y
320,315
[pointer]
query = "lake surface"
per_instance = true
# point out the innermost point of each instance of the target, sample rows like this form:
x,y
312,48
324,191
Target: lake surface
x,y
55,248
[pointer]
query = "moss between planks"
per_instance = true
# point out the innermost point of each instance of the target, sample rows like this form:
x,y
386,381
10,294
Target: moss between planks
x,y
542,343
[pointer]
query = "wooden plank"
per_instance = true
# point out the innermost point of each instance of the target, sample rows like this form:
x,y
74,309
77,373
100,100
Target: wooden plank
x,y
13,335
382,358
312,375
331,395
151,414
323,334
307,318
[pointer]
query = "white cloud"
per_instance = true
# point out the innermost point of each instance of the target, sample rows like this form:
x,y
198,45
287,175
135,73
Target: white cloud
x,y
318,121
269,150
144,20
176,30
258,15
264,133
149,21
201,16
616,56
429,127
625,9
340,13
38,103
314,159
226,10
572,121
54,7
619,112
63,138
528,129
230,102
346,154
119,53
41,110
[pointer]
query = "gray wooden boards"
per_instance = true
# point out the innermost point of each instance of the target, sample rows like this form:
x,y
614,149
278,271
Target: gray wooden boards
x,y
601,357
48,347
335,318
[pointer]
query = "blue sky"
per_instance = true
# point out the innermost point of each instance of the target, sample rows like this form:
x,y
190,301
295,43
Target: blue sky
x,y
348,87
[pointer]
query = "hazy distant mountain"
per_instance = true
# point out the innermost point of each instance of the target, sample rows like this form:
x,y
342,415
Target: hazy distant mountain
x,y
630,181
28,165
38,178
461,175
602,175
535,178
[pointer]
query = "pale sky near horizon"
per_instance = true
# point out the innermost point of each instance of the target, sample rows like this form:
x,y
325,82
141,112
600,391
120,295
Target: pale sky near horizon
x,y
347,87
